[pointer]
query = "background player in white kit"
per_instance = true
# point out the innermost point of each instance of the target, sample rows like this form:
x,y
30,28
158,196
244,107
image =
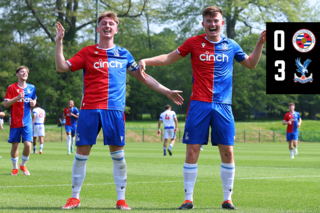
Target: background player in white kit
x,y
38,120
2,114
170,122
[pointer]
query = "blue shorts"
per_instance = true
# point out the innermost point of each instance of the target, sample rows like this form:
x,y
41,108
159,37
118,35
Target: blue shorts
x,y
71,129
292,136
15,134
90,122
201,115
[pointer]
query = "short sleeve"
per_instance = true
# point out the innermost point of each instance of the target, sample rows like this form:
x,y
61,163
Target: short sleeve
x,y
9,93
160,118
34,112
285,117
186,47
299,116
77,111
239,54
64,112
77,62
174,114
132,65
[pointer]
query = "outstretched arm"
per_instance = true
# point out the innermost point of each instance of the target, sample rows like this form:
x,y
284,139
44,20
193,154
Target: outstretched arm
x,y
252,61
61,64
160,60
173,95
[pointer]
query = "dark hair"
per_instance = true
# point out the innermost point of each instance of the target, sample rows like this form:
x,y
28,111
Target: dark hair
x,y
21,67
211,11
37,104
167,106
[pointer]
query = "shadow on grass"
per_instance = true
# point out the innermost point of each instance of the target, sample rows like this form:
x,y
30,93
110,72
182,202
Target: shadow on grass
x,y
92,209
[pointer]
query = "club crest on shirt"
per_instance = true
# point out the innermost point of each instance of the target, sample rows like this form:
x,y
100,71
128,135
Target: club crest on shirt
x,y
18,90
203,44
224,46
28,91
96,52
116,53
303,70
303,40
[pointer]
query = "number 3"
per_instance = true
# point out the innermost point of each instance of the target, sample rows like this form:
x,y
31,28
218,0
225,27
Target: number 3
x,y
280,77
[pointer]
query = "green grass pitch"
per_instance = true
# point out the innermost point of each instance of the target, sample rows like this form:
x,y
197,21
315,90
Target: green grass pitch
x,y
267,179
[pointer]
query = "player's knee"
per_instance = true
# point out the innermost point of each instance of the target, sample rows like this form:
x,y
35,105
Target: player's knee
x,y
228,154
118,158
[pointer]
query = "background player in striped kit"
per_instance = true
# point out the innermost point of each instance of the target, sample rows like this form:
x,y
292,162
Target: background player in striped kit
x,y
20,97
71,114
170,122
105,67
39,119
212,62
293,120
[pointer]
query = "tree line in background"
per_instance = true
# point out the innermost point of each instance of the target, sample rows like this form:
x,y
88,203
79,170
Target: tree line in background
x,y
28,38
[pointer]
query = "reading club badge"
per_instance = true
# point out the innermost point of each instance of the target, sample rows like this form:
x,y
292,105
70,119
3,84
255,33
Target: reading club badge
x,y
303,40
303,70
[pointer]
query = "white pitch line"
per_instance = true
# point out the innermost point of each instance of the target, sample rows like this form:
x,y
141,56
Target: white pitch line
x,y
91,184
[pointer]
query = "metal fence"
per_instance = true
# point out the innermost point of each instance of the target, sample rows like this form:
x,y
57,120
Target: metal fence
x,y
57,134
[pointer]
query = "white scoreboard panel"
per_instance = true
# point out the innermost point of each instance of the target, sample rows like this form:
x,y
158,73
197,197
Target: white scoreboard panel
x,y
293,58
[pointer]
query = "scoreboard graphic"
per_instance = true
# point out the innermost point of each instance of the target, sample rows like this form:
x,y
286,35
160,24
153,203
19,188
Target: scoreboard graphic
x,y
293,58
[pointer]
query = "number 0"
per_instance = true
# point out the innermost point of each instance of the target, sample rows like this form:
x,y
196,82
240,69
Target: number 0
x,y
280,77
281,33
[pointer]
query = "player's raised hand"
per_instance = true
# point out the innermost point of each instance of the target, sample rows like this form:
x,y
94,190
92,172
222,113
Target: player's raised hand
x,y
142,69
59,32
174,96
263,37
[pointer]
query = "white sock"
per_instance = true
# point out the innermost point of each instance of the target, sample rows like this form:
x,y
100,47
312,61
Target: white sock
x,y
170,146
78,174
41,146
295,148
15,162
69,142
227,178
190,172
73,141
291,152
119,173
24,160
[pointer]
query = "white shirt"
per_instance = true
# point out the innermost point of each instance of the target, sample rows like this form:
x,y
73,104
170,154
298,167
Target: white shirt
x,y
167,117
40,115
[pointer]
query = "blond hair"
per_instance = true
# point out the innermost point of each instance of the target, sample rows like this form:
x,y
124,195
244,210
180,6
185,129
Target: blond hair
x,y
109,14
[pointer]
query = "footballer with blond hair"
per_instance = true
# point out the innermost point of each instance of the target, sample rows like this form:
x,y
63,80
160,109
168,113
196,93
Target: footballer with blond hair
x,y
104,74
